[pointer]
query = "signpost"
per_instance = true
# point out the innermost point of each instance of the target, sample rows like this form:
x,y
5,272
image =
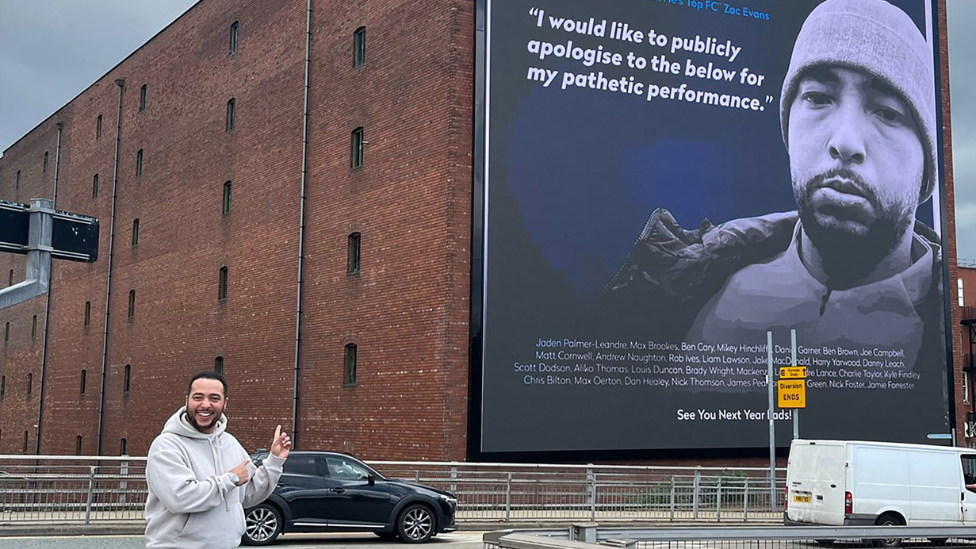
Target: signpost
x,y
791,389
43,233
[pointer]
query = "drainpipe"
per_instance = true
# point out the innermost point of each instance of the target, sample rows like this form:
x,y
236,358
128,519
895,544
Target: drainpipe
x,y
111,255
47,305
301,232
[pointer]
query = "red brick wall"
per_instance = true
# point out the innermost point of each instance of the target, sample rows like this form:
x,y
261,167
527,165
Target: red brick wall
x,y
949,254
407,310
20,355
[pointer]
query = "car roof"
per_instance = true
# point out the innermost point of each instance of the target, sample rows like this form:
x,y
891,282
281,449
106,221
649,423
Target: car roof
x,y
264,452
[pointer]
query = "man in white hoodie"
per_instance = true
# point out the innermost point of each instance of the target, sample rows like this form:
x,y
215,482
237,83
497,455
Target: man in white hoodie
x,y
200,477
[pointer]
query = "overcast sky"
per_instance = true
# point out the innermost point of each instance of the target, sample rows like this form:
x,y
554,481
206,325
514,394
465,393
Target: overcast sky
x,y
51,50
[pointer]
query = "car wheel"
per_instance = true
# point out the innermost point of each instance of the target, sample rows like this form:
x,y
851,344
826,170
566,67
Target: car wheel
x,y
262,525
888,520
386,535
416,524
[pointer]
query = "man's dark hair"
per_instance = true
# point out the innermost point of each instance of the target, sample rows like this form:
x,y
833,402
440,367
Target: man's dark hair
x,y
208,374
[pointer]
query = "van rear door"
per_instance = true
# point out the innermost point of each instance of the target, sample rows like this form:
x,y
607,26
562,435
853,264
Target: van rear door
x,y
935,488
815,482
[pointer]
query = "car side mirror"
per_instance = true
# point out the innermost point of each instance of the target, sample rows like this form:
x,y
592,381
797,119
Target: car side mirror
x,y
371,480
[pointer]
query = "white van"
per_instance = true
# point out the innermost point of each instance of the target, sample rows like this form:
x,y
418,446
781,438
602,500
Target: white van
x,y
836,483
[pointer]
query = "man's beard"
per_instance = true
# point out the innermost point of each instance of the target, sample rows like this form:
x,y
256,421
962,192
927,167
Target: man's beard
x,y
849,254
193,421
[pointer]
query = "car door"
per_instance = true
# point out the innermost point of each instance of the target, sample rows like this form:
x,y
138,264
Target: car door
x,y
354,502
303,485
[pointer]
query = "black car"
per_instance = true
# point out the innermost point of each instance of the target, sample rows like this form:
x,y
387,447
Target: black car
x,y
330,492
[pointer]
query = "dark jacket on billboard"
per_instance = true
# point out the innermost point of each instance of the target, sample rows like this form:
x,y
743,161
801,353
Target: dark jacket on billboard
x,y
672,273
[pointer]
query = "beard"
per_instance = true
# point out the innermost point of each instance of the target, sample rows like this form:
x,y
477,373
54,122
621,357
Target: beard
x,y
192,418
850,245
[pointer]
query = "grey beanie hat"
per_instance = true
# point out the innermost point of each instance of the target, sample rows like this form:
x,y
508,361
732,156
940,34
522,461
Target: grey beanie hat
x,y
881,39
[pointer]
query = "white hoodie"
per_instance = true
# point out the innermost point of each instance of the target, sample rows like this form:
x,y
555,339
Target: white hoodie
x,y
193,503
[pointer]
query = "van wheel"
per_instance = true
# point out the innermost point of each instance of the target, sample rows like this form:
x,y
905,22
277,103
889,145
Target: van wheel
x,y
888,519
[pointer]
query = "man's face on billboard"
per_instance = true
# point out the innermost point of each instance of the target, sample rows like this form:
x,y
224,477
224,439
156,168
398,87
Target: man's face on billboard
x,y
856,160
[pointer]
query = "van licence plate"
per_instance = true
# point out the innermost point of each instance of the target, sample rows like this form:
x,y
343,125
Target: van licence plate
x,y
801,499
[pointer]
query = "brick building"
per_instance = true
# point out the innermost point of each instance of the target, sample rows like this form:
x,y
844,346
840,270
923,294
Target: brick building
x,y
228,211
209,184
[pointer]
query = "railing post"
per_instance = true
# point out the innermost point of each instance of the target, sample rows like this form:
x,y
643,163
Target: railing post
x,y
745,501
508,497
454,477
91,492
718,501
123,483
591,487
696,493
672,497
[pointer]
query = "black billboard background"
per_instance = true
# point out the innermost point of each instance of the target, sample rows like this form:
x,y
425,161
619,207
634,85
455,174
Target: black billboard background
x,y
572,177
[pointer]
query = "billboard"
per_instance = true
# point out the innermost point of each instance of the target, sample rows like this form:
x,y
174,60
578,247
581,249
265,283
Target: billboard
x,y
667,180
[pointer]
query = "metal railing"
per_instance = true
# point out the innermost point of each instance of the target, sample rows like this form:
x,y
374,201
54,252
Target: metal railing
x,y
113,489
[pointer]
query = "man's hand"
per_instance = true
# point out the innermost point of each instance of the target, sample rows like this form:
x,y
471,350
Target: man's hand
x,y
242,473
281,444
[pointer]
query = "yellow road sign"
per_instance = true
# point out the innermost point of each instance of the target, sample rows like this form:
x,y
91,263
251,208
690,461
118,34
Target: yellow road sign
x,y
792,393
793,372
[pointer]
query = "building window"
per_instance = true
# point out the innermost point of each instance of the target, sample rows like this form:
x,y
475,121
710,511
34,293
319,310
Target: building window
x,y
6,333
45,161
965,387
234,28
127,380
34,327
87,314
357,147
98,127
3,386
222,284
132,304
219,364
227,190
124,447
352,261
25,441
230,115
10,279
349,372
135,232
84,381
78,440
17,182
139,163
30,384
962,299
142,98
95,186
359,47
